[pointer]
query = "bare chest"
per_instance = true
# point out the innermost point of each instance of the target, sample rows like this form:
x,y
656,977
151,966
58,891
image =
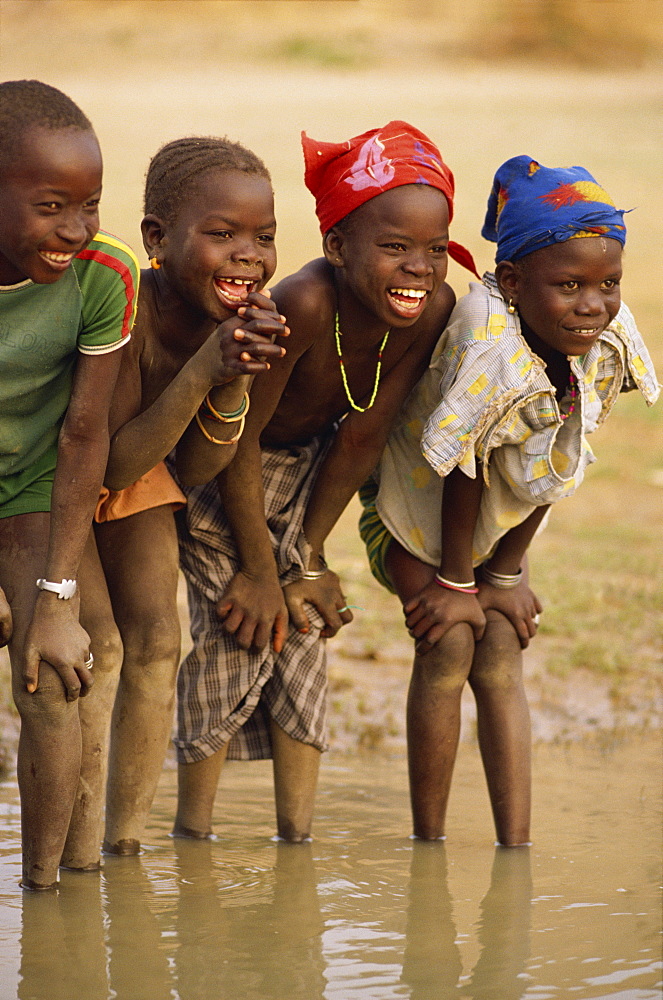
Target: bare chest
x,y
324,386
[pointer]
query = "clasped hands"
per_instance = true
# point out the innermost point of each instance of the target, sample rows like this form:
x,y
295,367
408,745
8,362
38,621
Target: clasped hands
x,y
256,609
435,610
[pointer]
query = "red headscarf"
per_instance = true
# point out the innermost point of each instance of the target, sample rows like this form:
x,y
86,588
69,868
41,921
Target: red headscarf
x,y
343,175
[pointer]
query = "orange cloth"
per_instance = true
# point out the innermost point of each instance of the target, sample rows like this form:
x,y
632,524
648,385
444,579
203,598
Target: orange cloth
x,y
155,488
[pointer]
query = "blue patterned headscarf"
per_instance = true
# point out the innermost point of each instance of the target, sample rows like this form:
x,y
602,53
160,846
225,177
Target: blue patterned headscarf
x,y
532,206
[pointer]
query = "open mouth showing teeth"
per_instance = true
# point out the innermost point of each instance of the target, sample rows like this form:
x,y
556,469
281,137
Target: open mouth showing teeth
x,y
407,299
234,290
56,258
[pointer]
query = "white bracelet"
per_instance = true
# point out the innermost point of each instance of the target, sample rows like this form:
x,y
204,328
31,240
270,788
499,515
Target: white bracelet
x,y
64,590
315,574
452,583
503,581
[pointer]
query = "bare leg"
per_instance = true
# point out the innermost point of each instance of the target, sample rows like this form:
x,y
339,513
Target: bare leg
x,y
140,559
504,728
49,751
196,786
81,850
296,767
433,727
433,705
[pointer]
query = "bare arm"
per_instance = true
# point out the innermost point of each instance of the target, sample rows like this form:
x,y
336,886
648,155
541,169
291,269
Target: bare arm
x,y
198,459
55,634
222,365
435,609
519,604
252,606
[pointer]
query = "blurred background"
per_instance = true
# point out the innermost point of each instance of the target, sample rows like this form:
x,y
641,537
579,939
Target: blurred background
x,y
566,81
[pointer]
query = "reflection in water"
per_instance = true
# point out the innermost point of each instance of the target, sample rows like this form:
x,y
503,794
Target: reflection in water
x,y
258,944
90,941
63,953
432,963
136,952
362,913
504,928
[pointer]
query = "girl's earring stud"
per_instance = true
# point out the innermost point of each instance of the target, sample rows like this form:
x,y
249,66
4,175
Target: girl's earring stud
x,y
154,263
511,307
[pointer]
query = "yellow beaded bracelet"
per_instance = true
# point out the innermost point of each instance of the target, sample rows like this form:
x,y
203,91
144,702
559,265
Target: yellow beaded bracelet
x,y
232,440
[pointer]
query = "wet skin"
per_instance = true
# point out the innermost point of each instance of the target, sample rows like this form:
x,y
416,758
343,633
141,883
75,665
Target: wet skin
x,y
49,203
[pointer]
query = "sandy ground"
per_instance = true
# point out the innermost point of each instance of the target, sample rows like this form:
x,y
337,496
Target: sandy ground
x,y
146,73
368,690
369,672
367,702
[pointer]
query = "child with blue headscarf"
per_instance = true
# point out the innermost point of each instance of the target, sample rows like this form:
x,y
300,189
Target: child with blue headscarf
x,y
531,362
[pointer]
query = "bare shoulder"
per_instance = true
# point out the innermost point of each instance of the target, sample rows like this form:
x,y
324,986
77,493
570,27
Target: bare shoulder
x,y
149,361
132,353
437,313
305,298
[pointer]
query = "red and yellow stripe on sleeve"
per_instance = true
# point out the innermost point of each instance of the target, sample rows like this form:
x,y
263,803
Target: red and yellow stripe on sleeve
x,y
95,251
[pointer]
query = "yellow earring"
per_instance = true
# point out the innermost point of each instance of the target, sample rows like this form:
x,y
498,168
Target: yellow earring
x,y
511,307
154,263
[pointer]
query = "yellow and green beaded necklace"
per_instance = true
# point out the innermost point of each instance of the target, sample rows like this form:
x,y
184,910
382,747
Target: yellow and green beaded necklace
x,y
360,409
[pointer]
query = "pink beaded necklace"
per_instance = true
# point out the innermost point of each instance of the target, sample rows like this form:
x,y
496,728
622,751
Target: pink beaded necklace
x,y
573,395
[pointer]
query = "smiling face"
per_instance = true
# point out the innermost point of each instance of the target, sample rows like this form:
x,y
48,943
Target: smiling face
x,y
392,252
221,245
566,294
49,203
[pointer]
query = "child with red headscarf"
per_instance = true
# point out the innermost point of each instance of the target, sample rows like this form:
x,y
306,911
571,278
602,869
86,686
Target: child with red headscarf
x,y
364,319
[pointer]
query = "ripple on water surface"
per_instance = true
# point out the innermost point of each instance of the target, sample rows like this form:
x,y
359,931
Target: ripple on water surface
x,y
363,912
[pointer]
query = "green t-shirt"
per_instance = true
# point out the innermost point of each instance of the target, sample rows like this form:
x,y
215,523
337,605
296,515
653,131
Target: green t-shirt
x,y
42,328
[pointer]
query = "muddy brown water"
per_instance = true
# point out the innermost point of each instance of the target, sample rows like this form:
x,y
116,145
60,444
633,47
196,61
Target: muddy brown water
x,y
363,912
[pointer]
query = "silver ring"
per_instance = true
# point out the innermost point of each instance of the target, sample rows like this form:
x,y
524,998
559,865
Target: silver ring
x,y
536,619
88,663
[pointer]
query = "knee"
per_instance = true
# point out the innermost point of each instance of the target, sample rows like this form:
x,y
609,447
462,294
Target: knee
x,y
151,660
106,647
152,645
498,663
47,707
447,665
